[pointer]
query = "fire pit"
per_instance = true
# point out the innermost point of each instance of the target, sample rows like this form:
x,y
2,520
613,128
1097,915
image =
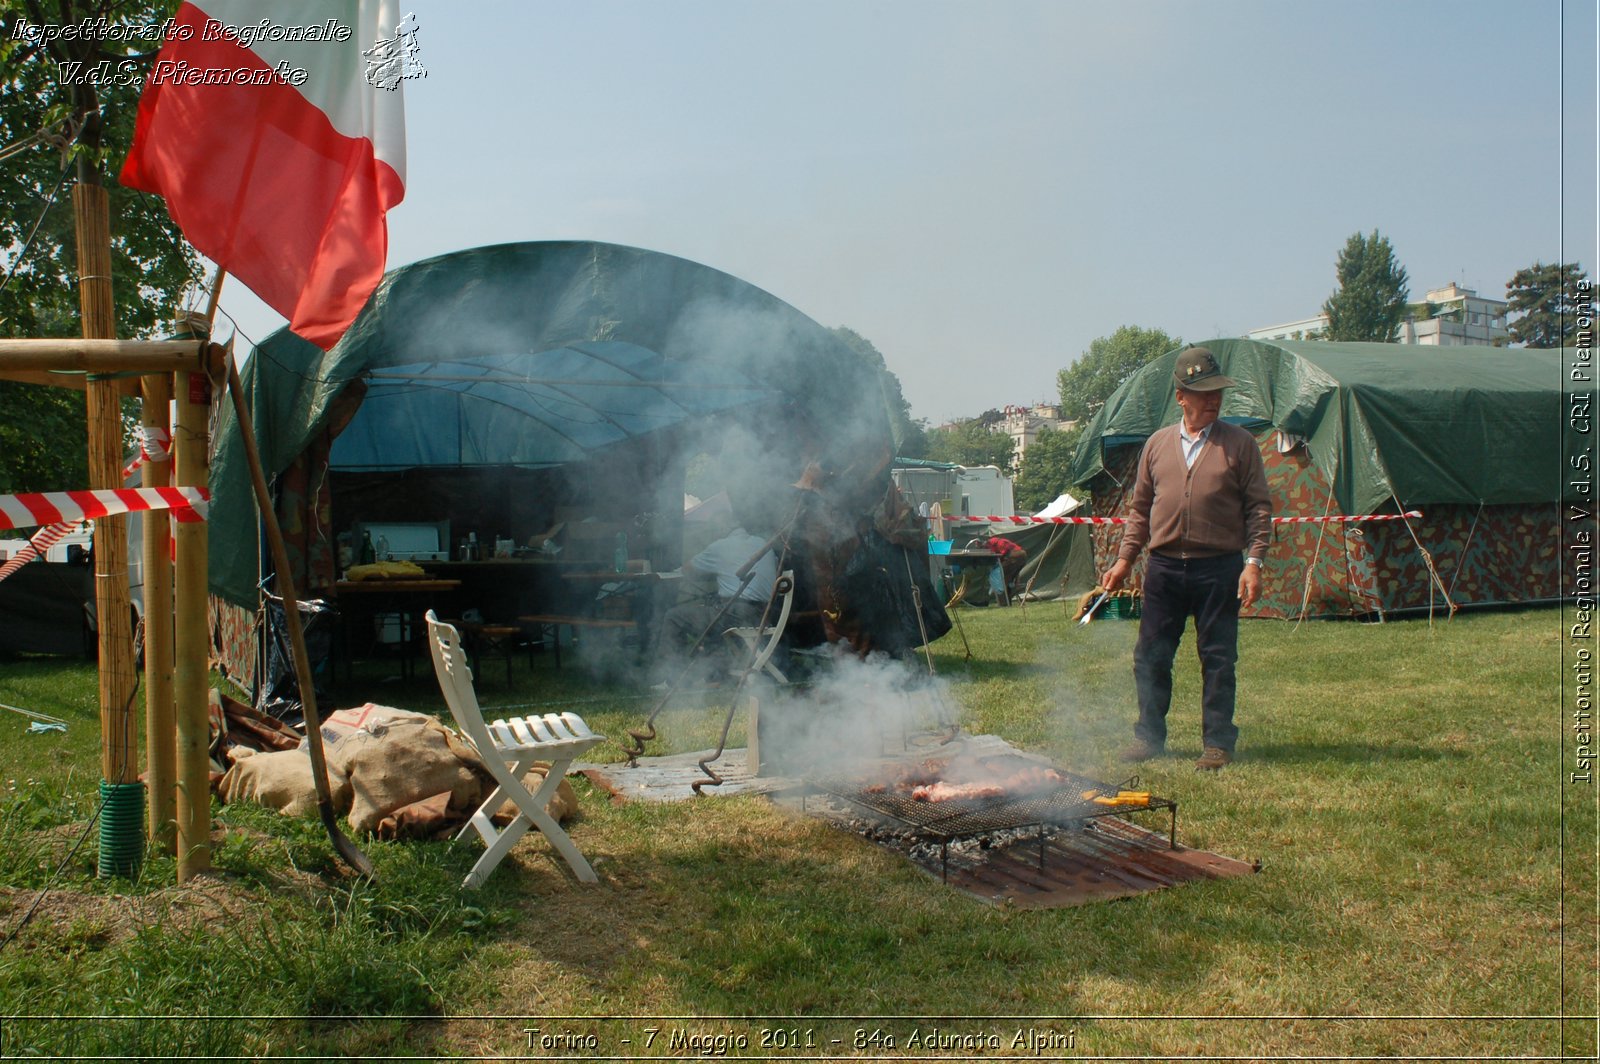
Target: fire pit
x,y
946,800
1037,845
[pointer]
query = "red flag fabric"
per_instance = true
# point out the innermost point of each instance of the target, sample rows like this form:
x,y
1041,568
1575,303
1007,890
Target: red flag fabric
x,y
278,143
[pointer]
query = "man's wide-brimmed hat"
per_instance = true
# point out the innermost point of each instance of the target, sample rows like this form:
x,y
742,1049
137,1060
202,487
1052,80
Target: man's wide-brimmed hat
x,y
1197,371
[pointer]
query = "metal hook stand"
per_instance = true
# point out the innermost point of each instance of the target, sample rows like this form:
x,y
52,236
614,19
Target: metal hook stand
x,y
745,573
782,586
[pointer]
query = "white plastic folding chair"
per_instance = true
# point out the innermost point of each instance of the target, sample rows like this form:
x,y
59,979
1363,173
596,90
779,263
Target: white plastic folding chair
x,y
508,748
763,641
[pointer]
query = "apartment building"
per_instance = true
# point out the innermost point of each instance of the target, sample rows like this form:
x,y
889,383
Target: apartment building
x,y
1024,423
1451,316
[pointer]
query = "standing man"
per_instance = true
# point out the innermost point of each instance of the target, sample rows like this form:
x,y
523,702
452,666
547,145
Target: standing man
x,y
1200,503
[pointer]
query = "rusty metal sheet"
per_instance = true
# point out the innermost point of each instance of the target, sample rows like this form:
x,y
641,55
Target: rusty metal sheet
x,y
1112,859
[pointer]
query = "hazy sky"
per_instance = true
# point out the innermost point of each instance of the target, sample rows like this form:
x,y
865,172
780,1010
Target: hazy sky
x,y
983,188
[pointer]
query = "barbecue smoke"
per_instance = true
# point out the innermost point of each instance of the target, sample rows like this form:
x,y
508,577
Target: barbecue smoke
x,y
1092,706
853,713
774,400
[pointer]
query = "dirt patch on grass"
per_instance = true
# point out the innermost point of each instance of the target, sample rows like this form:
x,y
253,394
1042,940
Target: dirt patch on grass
x,y
68,914
65,915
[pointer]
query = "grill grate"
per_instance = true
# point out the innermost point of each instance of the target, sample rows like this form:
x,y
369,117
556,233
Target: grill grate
x,y
1059,805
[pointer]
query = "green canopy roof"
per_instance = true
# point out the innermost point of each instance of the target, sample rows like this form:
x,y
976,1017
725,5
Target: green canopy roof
x,y
533,354
1383,422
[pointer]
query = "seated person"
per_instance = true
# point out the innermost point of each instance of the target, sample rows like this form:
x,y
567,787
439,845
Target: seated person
x,y
719,562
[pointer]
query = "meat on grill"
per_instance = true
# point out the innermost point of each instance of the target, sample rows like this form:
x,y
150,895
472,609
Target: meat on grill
x,y
908,777
945,781
947,792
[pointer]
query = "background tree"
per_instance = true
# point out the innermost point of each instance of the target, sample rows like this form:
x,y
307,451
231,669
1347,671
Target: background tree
x,y
990,419
910,435
1370,302
1043,474
1547,297
1088,383
970,443
56,133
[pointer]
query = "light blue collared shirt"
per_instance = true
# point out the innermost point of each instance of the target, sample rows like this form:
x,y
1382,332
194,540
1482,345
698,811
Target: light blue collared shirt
x,y
1191,444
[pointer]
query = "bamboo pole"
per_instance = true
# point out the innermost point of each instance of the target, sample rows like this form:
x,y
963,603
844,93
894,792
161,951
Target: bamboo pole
x,y
160,732
67,379
118,678
99,354
191,640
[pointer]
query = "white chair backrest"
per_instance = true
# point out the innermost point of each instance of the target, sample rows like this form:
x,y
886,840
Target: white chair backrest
x,y
455,681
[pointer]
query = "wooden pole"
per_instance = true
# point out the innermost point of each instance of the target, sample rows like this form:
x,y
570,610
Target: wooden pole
x,y
191,640
118,678
216,297
52,379
284,580
160,734
101,354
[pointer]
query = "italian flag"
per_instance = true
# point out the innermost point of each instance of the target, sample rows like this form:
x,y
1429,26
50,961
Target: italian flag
x,y
276,155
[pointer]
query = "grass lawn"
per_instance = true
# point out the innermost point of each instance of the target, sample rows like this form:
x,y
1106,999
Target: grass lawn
x,y
1427,884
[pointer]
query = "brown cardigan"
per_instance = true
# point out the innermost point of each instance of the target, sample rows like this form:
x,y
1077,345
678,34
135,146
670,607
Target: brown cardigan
x,y
1221,506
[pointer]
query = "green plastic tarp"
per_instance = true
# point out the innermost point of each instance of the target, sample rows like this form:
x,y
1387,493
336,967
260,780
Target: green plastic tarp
x,y
1385,423
533,354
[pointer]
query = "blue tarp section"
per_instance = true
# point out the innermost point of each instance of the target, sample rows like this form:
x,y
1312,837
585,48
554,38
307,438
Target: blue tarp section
x,y
530,409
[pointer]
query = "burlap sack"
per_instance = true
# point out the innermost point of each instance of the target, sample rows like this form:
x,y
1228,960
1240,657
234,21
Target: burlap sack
x,y
395,763
562,804
342,722
432,817
281,780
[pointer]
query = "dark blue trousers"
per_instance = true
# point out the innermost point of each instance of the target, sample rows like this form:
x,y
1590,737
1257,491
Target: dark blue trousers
x,y
1206,589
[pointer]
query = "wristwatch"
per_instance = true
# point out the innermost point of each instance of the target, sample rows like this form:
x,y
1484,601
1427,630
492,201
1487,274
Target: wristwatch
x,y
1253,561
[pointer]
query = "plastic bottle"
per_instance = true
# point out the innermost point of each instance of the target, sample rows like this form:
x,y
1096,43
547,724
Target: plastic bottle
x,y
472,548
619,557
383,548
368,554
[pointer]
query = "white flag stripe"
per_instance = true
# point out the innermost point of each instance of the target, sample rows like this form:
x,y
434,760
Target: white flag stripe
x,y
335,83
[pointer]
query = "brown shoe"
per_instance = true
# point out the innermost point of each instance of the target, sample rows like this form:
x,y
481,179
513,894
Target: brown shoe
x,y
1141,751
1214,758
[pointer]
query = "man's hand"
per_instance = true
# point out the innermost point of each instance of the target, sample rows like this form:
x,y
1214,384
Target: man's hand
x,y
1114,576
1249,586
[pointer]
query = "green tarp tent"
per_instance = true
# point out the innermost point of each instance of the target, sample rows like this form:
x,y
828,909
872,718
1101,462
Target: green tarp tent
x,y
504,365
1060,558
1471,436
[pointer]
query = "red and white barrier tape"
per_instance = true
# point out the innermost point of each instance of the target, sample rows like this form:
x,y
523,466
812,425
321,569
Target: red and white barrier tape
x,y
38,546
1021,519
155,445
1344,518
57,507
